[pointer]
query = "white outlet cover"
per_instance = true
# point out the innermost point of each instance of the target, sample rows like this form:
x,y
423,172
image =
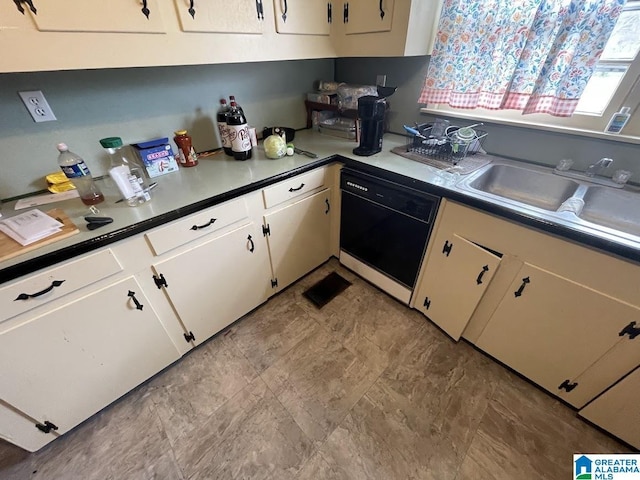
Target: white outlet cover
x,y
37,106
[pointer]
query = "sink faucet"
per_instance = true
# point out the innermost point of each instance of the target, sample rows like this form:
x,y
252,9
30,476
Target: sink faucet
x,y
597,168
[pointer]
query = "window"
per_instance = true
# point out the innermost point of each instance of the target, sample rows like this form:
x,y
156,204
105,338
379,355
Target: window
x,y
616,83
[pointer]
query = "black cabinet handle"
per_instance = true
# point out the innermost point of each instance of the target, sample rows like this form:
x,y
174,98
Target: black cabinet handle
x,y
329,12
566,386
446,249
381,11
284,14
192,11
252,245
345,13
485,269
427,303
28,2
19,6
518,292
145,9
208,224
27,296
630,330
131,294
296,189
46,426
328,206
259,9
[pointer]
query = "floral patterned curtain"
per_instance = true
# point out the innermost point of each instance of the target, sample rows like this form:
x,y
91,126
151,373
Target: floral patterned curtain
x,y
531,55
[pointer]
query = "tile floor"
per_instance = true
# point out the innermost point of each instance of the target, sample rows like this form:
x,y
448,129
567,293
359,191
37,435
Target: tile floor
x,y
362,389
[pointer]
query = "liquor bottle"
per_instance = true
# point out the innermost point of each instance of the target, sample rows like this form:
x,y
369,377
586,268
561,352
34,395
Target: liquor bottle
x,y
126,173
221,118
238,133
77,171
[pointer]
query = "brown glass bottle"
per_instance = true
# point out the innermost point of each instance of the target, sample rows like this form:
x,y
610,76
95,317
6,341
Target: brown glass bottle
x,y
238,133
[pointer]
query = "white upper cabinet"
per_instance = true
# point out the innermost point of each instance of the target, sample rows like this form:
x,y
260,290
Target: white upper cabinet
x,y
367,16
217,16
304,17
407,28
119,16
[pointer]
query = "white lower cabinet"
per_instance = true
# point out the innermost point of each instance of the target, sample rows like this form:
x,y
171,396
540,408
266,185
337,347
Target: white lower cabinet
x,y
552,329
218,281
299,237
457,275
616,410
61,367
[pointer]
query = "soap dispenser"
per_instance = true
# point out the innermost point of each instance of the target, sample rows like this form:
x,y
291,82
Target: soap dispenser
x,y
618,121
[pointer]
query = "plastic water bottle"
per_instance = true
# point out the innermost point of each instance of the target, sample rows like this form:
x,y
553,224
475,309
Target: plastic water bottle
x,y
126,173
77,171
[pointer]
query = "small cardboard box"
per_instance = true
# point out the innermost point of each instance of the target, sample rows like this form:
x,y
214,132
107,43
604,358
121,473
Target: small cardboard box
x,y
157,156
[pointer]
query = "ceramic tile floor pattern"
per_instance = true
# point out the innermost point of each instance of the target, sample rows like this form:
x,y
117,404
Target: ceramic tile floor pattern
x,y
363,388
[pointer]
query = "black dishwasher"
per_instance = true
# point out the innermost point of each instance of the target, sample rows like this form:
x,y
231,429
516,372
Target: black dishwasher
x,y
385,226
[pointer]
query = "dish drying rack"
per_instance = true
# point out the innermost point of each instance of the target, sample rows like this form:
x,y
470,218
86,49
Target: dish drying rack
x,y
421,142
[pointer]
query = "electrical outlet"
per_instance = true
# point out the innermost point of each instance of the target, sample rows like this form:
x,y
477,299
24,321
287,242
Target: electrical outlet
x,y
38,106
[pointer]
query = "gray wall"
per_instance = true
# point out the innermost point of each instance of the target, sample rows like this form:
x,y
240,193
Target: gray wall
x,y
140,104
514,142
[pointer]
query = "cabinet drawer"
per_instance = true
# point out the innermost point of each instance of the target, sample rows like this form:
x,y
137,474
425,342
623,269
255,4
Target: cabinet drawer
x,y
196,226
294,187
56,282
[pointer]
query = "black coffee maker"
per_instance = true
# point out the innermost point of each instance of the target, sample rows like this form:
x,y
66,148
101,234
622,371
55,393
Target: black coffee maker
x,y
371,113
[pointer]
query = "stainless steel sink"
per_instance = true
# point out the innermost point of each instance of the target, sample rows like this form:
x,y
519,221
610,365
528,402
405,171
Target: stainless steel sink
x,y
617,209
528,186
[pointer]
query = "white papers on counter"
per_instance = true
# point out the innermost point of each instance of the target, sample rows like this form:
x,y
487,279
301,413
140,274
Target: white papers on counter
x,y
30,226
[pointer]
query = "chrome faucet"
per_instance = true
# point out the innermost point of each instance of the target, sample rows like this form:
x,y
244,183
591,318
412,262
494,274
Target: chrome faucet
x,y
597,168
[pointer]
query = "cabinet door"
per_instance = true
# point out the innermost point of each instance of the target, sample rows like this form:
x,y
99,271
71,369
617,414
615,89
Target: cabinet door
x,y
215,283
551,330
617,410
219,16
369,16
69,363
303,17
121,16
300,237
456,276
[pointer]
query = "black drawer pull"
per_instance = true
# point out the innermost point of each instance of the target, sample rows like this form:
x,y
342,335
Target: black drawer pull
x,y
131,294
252,245
381,11
284,14
296,189
192,10
260,9
208,224
145,9
345,13
27,296
485,269
518,292
326,212
329,13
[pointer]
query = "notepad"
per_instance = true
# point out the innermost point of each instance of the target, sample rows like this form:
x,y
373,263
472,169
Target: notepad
x,y
30,226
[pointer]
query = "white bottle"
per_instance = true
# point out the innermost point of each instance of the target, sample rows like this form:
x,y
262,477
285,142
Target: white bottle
x,y
618,121
126,173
